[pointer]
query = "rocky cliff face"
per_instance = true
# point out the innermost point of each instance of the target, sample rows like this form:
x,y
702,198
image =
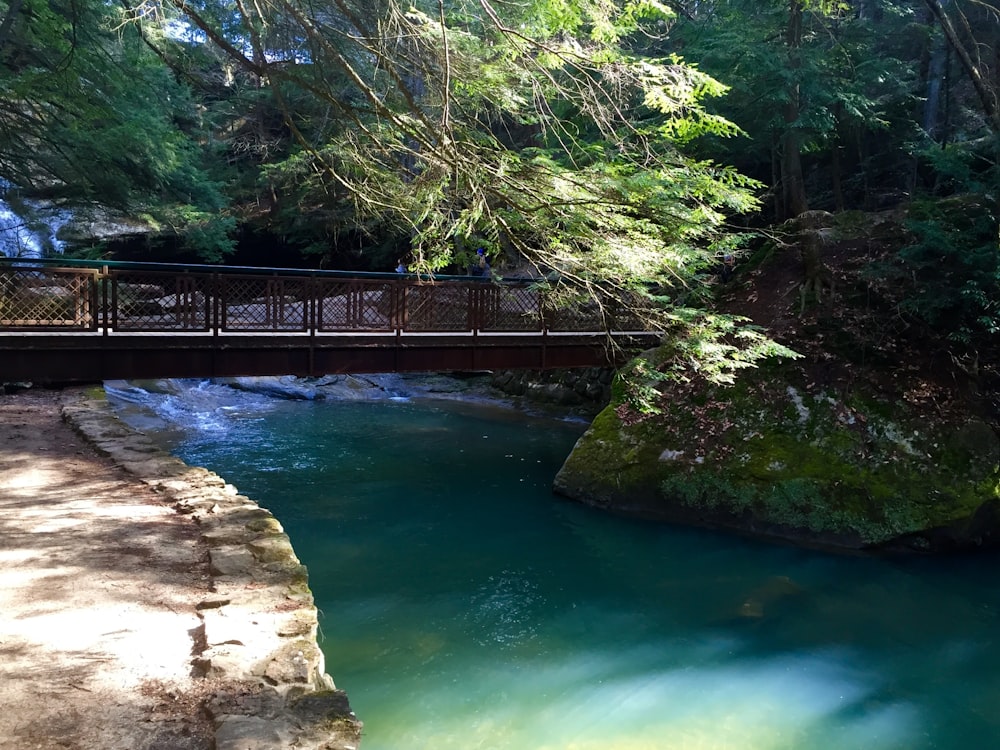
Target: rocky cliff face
x,y
864,443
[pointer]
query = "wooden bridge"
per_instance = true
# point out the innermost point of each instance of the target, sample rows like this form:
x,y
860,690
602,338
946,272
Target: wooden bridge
x,y
81,322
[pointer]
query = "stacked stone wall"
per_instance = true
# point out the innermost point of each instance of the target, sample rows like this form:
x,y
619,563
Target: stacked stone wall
x,y
259,625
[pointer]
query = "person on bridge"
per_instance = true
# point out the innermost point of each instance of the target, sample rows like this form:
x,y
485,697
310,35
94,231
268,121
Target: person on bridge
x,y
482,268
401,267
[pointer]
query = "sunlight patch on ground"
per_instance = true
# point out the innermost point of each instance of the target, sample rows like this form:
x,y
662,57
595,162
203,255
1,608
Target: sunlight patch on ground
x,y
30,475
90,626
51,525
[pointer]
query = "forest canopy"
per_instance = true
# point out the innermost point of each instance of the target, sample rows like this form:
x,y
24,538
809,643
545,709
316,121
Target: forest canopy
x,y
625,145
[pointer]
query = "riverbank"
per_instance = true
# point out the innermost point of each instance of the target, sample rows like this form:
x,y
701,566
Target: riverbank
x,y
146,603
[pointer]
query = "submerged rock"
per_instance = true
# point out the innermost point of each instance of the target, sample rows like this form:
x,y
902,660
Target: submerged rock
x,y
344,387
775,456
760,601
373,386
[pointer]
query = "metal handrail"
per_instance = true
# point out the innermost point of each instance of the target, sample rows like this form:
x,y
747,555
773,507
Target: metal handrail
x,y
270,270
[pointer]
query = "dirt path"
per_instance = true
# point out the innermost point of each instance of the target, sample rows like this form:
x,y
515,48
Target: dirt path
x,y
98,585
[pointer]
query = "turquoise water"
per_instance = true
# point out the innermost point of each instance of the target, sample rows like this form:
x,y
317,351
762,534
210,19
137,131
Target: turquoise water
x,y
464,606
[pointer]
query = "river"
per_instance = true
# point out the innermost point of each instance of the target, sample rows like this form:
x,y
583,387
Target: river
x,y
464,606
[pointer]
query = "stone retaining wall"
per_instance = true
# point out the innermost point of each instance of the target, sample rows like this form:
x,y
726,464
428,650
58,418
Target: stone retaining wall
x,y
260,623
589,388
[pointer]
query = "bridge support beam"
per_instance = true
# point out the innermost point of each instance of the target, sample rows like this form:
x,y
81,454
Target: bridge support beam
x,y
76,358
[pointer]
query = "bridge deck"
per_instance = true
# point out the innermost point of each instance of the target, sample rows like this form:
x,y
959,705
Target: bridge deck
x,y
76,323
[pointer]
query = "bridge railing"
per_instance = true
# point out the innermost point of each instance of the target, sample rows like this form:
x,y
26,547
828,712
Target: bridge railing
x,y
81,296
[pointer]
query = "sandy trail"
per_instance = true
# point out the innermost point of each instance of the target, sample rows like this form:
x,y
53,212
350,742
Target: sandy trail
x,y
98,585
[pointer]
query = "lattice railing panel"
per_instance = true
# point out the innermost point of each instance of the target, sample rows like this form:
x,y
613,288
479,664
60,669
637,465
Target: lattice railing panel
x,y
578,316
357,305
39,297
145,301
256,303
632,312
629,311
47,298
436,307
510,309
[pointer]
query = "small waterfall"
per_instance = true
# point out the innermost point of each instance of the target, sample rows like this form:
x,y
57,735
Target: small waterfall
x,y
30,229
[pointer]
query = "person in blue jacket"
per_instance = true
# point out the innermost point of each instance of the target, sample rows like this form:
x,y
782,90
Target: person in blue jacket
x,y
482,268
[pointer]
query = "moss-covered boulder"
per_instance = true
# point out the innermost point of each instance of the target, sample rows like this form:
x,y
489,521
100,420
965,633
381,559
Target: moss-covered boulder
x,y
781,457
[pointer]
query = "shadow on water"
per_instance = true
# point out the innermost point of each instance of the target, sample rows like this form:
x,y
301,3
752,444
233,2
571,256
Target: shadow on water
x,y
465,606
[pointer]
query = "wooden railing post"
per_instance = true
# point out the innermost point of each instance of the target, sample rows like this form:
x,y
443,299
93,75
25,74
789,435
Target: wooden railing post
x,y
399,306
309,294
103,281
474,309
218,306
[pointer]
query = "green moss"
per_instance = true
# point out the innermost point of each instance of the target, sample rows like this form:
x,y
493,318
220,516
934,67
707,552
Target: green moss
x,y
761,256
617,390
704,490
869,505
96,392
767,450
266,525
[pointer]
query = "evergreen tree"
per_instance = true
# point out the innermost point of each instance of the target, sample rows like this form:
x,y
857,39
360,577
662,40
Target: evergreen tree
x,y
538,131
826,93
952,266
89,114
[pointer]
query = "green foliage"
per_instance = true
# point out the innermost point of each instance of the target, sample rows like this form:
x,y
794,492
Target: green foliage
x,y
584,139
955,266
89,114
853,80
209,235
703,346
952,267
534,131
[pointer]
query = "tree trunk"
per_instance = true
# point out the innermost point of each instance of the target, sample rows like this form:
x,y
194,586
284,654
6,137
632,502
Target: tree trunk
x,y
836,174
793,190
8,21
870,10
776,180
988,98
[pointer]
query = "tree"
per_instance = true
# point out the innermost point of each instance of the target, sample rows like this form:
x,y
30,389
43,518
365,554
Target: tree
x,y
88,114
538,131
793,189
968,48
825,92
952,265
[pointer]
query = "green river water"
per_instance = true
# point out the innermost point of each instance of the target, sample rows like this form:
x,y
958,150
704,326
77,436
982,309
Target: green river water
x,y
464,606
